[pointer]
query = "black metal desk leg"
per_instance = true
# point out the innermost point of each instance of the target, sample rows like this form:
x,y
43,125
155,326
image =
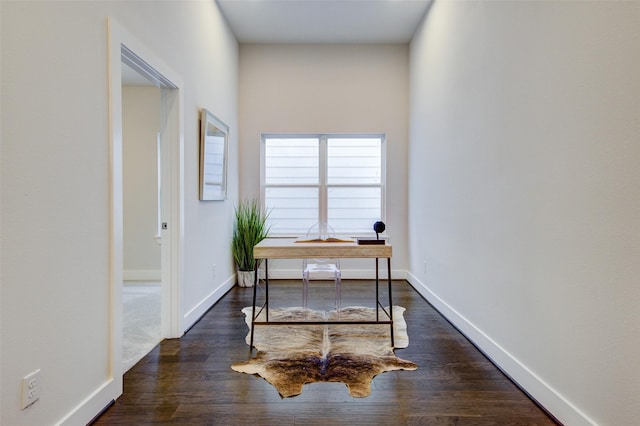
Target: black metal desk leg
x,y
390,300
253,310
377,294
266,287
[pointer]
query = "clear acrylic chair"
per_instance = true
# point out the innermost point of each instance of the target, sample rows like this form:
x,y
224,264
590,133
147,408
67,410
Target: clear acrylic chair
x,y
321,269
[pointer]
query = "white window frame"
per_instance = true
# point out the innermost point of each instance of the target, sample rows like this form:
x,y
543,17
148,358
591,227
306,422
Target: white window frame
x,y
323,186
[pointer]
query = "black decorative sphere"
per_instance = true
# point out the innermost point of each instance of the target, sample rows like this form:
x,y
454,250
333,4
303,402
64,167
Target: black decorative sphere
x,y
378,227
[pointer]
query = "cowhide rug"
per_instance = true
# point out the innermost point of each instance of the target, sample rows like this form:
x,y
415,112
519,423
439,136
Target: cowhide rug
x,y
290,356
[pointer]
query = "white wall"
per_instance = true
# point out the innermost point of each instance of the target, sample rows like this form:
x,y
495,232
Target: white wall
x,y
55,172
329,89
140,127
523,189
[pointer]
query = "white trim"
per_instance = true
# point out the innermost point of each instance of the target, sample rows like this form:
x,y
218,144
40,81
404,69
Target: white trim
x,y
173,258
172,159
116,205
191,317
532,384
172,250
90,406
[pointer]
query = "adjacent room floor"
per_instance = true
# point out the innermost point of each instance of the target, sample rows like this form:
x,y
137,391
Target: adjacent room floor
x,y
141,320
189,380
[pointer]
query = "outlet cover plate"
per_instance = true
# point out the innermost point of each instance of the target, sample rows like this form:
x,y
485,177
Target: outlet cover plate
x,y
30,388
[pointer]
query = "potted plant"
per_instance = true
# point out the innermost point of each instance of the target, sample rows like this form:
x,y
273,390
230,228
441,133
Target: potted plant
x,y
249,229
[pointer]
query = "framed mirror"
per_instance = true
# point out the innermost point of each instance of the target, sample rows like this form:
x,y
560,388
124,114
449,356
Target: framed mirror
x,y
213,157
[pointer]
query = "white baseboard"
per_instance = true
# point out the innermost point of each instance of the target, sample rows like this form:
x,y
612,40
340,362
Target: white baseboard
x,y
87,410
556,404
195,313
141,275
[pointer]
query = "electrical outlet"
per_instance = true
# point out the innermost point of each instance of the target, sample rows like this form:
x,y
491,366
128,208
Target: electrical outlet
x,y
30,388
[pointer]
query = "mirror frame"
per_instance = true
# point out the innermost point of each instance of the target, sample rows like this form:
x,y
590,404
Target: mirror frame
x,y
211,164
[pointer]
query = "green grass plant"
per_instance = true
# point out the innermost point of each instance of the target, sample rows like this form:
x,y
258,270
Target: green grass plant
x,y
249,229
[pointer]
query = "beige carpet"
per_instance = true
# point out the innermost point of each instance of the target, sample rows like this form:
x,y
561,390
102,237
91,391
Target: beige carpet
x,y
141,322
290,356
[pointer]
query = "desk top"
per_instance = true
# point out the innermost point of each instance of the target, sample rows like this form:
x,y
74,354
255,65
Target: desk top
x,y
288,248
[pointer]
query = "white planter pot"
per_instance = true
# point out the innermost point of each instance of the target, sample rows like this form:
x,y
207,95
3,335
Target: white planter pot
x,y
245,278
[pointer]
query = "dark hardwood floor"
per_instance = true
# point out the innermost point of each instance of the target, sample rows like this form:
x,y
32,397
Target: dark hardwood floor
x,y
189,381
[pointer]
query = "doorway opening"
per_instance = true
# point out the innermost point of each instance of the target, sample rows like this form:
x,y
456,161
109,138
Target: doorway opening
x,y
142,216
158,262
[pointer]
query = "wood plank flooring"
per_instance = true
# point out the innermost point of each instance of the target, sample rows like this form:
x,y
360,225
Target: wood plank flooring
x,y
189,381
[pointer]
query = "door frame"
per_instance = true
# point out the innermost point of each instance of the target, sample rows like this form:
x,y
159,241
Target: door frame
x,y
124,47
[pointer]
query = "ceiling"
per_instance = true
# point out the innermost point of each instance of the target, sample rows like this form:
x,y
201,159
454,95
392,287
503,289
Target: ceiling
x,y
315,21
323,21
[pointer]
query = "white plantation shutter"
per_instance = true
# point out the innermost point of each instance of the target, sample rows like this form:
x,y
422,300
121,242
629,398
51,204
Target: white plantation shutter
x,y
337,179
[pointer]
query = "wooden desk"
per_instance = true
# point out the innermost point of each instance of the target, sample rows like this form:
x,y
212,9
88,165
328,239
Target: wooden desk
x,y
288,248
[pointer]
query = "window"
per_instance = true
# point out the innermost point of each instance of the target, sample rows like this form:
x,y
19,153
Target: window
x,y
316,178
